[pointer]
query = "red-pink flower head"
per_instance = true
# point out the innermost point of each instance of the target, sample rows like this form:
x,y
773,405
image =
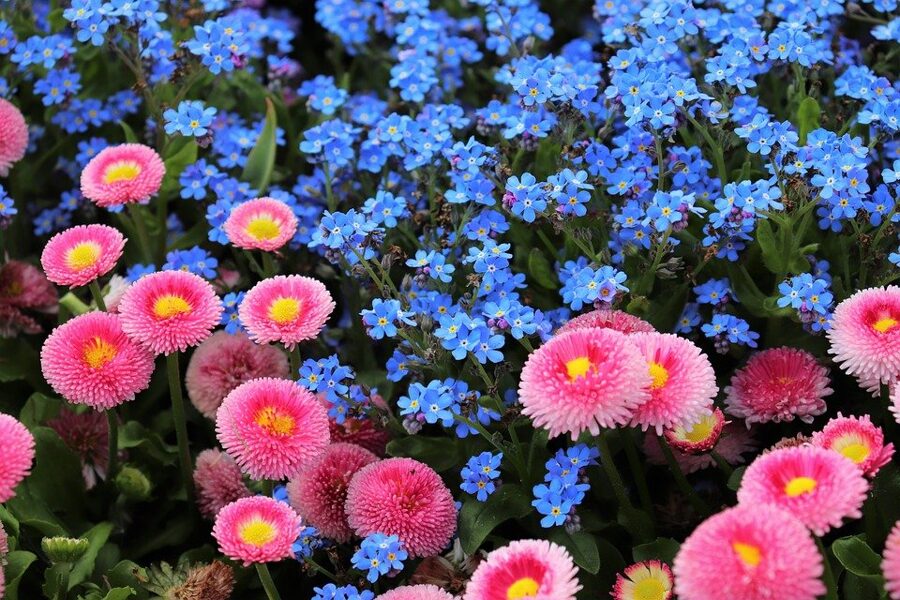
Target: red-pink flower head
x,y
584,380
361,430
319,491
24,286
18,454
89,360
417,592
525,569
605,318
858,439
286,309
817,486
223,362
81,254
732,445
682,382
698,437
890,564
865,334
170,311
258,529
218,481
646,580
406,498
778,384
87,435
755,552
271,427
13,136
4,545
122,174
261,224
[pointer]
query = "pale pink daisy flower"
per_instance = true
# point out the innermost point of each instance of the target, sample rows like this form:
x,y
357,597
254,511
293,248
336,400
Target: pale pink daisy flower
x,y
261,224
417,592
682,386
122,174
13,137
858,439
257,529
749,553
218,481
865,334
89,360
732,445
170,311
18,454
406,498
890,564
778,384
699,436
223,362
584,380
817,486
605,318
646,580
319,491
81,254
286,309
271,427
534,569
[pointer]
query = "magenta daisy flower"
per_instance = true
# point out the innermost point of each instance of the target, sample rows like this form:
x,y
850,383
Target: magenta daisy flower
x,y
258,529
605,318
13,136
733,443
865,334
525,569
286,309
18,454
122,174
81,254
646,580
858,439
890,564
416,592
218,481
698,437
261,224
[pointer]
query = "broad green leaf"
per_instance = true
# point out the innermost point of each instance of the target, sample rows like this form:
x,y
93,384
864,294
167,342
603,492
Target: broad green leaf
x,y
18,361
39,409
120,593
854,587
772,253
745,289
56,478
581,545
663,549
807,117
440,454
540,270
17,562
135,435
179,153
96,537
130,136
857,557
734,482
261,161
478,519
128,574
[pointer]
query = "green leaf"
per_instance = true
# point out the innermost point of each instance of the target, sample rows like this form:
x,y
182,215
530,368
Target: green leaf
x,y
734,482
127,574
772,253
56,478
745,289
540,270
39,409
581,545
663,549
130,136
854,587
261,161
135,435
120,593
857,557
179,153
96,537
478,519
807,117
18,361
17,562
440,454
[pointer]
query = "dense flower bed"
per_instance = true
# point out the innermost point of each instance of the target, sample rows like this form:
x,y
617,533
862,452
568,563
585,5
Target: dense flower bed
x,y
438,299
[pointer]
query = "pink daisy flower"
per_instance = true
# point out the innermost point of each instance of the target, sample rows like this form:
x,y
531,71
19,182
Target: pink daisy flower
x,y
732,445
417,592
169,311
406,498
647,580
778,384
122,174
319,491
18,454
81,254
865,333
605,318
697,437
359,431
4,545
271,427
223,362
258,529
890,564
13,136
751,553
24,286
89,360
817,486
584,380
525,569
287,309
261,224
218,481
683,383
858,439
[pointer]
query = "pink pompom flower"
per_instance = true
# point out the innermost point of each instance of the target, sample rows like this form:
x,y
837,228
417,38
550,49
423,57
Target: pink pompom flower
x,y
122,174
223,362
858,439
18,454
584,380
261,224
13,136
525,569
698,437
865,334
749,552
81,254
271,427
406,498
286,309
605,318
646,580
890,564
817,486
683,383
319,491
218,481
258,529
778,384
169,311
89,360
417,592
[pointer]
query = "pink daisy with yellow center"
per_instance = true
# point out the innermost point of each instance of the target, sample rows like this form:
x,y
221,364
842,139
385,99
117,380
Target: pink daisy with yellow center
x,y
81,254
778,384
525,569
261,224
18,454
858,439
417,592
258,529
170,311
13,136
584,380
286,309
271,427
817,486
890,564
646,580
122,174
605,318
756,552
865,334
698,437
89,360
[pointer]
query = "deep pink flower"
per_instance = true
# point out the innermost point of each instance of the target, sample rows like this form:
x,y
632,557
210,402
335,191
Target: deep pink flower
x,y
698,437
890,564
218,481
646,580
605,318
122,174
87,435
18,454
734,442
858,439
532,569
417,592
13,137
258,529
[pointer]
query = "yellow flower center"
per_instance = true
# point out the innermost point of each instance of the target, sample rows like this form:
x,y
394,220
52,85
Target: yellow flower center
x,y
649,589
799,486
701,430
578,367
263,227
275,422
125,170
257,532
98,352
284,310
749,554
169,306
523,588
884,324
852,448
83,255
659,374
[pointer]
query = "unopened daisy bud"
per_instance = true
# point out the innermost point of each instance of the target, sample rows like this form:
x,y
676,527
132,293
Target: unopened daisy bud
x,y
133,484
61,549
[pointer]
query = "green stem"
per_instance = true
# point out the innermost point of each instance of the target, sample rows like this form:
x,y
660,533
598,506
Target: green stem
x,y
612,473
316,566
97,294
828,576
113,443
722,463
266,579
637,471
888,419
184,451
683,484
294,356
141,228
268,265
718,155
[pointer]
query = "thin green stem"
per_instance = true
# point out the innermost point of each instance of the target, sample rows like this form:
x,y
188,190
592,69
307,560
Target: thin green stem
x,y
316,566
612,473
97,294
184,451
112,422
266,579
718,154
722,463
141,228
268,265
683,484
294,356
637,471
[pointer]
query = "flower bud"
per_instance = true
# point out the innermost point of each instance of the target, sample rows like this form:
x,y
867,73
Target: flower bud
x,y
133,484
61,549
